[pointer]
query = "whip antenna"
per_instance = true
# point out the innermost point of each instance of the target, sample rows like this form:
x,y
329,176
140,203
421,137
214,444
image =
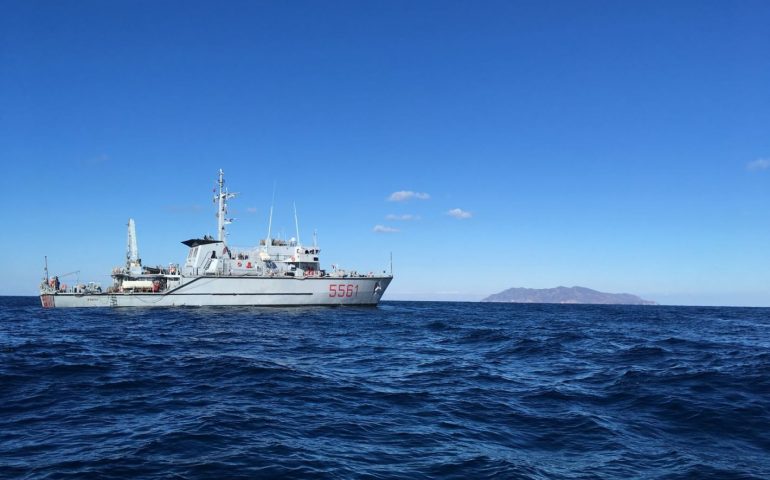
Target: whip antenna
x,y
296,223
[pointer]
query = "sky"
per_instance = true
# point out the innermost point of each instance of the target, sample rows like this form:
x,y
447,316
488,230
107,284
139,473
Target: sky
x,y
620,146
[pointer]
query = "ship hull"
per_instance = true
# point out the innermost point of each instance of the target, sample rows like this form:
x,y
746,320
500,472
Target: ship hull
x,y
238,291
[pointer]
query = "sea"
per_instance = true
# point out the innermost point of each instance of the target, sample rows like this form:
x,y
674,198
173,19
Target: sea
x,y
412,390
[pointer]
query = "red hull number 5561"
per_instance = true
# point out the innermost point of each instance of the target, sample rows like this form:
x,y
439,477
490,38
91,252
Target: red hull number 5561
x,y
343,290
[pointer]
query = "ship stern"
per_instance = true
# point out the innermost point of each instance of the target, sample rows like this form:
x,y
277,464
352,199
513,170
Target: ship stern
x,y
47,300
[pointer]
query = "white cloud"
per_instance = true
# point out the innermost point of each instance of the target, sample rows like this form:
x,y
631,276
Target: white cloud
x,y
384,229
402,218
759,164
404,195
459,213
251,210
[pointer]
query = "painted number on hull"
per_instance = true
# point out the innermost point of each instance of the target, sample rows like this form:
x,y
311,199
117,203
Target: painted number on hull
x,y
343,290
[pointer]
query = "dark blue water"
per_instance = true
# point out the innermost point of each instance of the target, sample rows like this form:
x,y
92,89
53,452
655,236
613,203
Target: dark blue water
x,y
409,390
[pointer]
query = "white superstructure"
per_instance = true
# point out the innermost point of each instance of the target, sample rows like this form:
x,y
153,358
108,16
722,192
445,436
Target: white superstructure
x,y
275,272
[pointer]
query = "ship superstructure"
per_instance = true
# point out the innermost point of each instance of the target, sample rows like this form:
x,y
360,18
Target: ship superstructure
x,y
274,272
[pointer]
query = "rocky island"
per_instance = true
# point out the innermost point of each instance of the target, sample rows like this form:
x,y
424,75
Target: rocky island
x,y
565,295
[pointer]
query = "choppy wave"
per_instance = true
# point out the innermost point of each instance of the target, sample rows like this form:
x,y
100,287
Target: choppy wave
x,y
406,390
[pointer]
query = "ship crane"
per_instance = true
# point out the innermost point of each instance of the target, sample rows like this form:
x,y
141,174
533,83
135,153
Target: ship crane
x,y
76,272
68,274
133,262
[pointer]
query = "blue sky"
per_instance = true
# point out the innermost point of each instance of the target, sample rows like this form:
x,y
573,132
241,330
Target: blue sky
x,y
622,146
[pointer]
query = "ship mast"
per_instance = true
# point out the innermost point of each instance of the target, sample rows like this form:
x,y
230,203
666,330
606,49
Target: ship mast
x,y
221,200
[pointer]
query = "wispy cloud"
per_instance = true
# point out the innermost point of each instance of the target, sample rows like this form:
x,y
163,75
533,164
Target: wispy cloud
x,y
759,164
384,229
184,208
404,195
459,213
251,210
95,161
407,217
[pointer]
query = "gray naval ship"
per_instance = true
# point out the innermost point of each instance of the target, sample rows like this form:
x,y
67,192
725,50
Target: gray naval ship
x,y
274,273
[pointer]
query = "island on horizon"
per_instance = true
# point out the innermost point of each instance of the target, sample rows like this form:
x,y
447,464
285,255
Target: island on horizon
x,y
573,295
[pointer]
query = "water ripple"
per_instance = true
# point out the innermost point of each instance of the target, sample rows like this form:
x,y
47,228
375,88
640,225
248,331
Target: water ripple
x,y
406,390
